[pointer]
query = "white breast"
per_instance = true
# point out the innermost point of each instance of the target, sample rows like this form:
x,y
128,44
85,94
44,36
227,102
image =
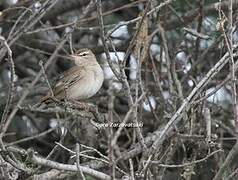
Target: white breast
x,y
89,85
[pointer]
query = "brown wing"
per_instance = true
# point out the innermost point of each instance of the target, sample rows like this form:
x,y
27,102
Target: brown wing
x,y
67,79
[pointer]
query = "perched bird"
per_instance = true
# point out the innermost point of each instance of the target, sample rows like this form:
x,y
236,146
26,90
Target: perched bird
x,y
80,82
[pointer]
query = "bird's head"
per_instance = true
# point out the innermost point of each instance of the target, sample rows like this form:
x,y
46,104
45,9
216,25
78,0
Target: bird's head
x,y
83,57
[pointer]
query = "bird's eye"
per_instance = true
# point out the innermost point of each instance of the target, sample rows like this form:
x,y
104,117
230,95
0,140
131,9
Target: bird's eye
x,y
84,54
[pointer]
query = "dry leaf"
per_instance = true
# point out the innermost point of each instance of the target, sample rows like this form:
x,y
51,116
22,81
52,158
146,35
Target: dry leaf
x,y
141,46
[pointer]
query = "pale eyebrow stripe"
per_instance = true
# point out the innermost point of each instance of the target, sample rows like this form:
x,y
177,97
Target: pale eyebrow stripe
x,y
86,52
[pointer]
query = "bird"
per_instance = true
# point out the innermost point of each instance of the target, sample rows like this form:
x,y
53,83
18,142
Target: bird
x,y
80,82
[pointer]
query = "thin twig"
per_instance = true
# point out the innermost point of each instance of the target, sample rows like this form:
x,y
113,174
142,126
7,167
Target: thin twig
x,y
32,137
186,164
11,84
105,45
232,154
78,161
46,79
67,167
